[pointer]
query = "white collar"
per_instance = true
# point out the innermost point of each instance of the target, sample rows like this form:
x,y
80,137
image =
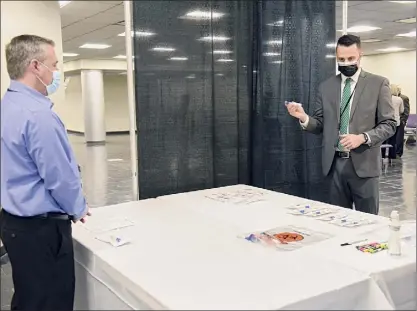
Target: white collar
x,y
355,77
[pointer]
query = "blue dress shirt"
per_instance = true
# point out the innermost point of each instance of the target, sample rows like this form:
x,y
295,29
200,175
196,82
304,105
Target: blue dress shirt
x,y
39,173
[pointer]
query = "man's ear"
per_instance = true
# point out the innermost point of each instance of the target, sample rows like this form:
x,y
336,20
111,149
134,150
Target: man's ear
x,y
34,66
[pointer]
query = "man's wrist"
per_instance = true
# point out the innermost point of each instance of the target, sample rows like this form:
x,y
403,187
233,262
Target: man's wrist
x,y
365,139
303,119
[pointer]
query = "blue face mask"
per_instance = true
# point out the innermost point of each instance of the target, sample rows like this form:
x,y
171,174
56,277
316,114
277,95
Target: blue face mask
x,y
56,80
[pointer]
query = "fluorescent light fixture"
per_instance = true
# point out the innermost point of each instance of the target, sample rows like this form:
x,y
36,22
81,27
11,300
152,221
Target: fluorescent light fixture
x,y
225,60
274,42
403,2
214,38
120,57
138,33
411,20
178,58
392,49
371,40
192,76
331,45
271,54
408,34
330,56
70,54
63,3
277,62
222,52
219,74
162,49
276,24
363,28
95,46
198,14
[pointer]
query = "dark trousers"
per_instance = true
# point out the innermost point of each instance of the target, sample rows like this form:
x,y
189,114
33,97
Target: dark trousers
x,y
347,188
400,139
42,260
392,153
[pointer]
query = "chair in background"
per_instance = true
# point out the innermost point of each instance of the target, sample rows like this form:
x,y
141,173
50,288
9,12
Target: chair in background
x,y
410,130
385,161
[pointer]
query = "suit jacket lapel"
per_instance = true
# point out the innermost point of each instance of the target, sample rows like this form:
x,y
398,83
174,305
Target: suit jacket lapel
x,y
358,92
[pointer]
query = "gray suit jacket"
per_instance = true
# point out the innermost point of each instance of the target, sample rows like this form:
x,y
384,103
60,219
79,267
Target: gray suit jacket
x,y
371,112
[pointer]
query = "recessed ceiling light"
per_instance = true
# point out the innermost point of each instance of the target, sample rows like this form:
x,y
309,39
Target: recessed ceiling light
x,y
371,40
138,34
410,20
197,14
271,54
225,60
178,58
162,49
70,54
357,29
274,42
330,56
192,76
219,74
408,34
63,3
95,46
214,38
392,49
222,52
331,45
276,24
403,2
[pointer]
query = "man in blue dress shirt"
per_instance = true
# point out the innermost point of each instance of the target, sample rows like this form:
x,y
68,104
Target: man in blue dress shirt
x,y
40,183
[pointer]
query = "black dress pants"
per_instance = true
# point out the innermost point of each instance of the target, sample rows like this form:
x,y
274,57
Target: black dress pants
x,y
392,154
400,140
42,260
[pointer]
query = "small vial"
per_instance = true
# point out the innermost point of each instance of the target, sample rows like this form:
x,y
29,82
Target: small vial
x,y
394,241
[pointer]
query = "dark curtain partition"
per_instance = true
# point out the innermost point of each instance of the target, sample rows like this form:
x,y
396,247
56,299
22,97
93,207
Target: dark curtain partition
x,y
210,90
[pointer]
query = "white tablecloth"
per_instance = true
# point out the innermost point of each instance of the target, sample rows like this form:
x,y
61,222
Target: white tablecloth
x,y
185,253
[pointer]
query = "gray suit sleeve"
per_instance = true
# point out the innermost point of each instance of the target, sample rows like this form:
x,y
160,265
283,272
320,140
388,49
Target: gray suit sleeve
x,y
385,120
315,122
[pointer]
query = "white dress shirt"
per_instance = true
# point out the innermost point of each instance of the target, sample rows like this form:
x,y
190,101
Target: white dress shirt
x,y
353,83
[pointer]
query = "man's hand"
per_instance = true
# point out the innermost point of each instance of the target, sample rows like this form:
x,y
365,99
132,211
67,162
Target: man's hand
x,y
297,111
351,141
83,219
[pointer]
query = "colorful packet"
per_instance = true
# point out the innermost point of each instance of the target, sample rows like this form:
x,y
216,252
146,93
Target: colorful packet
x,y
372,248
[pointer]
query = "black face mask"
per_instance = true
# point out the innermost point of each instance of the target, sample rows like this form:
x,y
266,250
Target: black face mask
x,y
348,70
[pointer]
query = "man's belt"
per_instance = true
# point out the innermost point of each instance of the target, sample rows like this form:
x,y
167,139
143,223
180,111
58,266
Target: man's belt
x,y
343,154
50,215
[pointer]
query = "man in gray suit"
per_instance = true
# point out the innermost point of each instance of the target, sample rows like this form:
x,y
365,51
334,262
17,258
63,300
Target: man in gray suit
x,y
355,114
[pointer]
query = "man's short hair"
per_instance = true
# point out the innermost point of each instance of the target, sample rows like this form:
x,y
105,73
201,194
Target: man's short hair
x,y
348,40
22,50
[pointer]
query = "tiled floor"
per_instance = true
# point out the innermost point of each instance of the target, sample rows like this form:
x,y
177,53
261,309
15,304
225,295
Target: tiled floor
x,y
107,180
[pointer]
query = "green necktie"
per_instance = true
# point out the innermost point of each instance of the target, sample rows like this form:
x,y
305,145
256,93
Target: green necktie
x,y
344,108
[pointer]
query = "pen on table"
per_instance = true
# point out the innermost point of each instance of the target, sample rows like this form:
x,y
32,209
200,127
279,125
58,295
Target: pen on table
x,y
354,242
